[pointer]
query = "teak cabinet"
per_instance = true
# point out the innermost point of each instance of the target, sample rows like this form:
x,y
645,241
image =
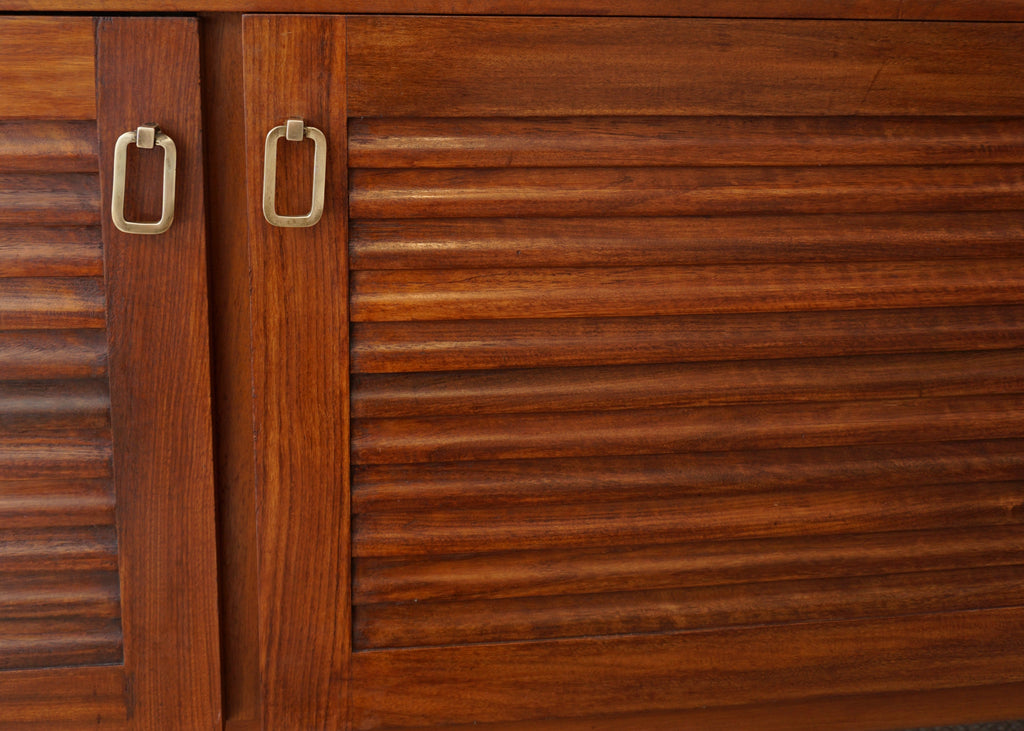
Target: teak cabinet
x,y
641,372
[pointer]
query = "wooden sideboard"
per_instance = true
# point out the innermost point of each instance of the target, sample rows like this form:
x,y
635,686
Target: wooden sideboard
x,y
656,370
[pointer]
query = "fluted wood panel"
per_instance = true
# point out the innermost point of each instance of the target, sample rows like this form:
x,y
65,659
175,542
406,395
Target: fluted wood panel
x,y
59,583
619,376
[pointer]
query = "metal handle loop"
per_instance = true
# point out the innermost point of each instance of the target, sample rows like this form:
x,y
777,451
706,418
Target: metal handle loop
x,y
145,137
294,130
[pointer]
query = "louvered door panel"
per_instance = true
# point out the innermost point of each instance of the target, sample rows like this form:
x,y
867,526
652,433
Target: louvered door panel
x,y
630,391
85,459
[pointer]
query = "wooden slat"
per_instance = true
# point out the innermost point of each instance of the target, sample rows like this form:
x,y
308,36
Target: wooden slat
x,y
47,68
650,567
56,503
68,595
59,456
450,623
35,643
441,485
49,147
660,431
41,406
79,696
476,294
88,548
563,242
300,313
988,10
42,302
696,141
648,191
458,345
967,705
721,667
689,518
51,252
69,199
523,67
39,354
675,385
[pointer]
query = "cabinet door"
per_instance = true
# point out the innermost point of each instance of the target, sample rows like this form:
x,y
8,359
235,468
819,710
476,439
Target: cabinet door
x,y
679,367
108,612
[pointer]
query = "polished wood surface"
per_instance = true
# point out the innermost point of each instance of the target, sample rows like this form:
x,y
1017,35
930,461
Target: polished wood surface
x,y
300,344
585,485
554,67
862,9
47,68
160,386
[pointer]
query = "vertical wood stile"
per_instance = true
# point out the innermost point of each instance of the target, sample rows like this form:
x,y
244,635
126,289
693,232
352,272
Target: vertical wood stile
x,y
295,67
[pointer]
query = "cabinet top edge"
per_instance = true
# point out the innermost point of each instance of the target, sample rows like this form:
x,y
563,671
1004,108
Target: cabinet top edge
x,y
916,10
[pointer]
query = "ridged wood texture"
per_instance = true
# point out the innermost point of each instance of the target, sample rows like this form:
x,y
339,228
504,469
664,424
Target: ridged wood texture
x,y
59,594
629,377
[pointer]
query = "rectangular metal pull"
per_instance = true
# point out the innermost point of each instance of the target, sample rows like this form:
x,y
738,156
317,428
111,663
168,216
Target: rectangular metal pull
x,y
146,136
294,130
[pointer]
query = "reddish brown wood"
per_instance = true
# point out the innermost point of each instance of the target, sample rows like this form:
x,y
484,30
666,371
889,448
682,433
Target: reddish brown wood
x,y
662,672
80,697
839,713
422,624
689,384
59,147
862,9
454,294
68,199
232,362
395,347
41,503
47,68
598,570
687,518
160,387
442,485
300,346
560,242
524,67
43,303
26,354
681,191
684,141
51,252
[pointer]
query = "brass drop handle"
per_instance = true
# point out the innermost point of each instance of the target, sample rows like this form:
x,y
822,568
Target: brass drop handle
x,y
145,137
294,130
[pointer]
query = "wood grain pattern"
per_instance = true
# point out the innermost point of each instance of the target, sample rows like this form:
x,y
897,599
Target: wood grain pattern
x,y
398,347
721,667
69,199
47,68
858,9
681,191
447,485
59,550
231,353
299,300
157,327
694,241
675,385
32,354
567,615
33,303
687,518
635,568
57,147
523,67
51,252
75,696
56,503
477,294
681,141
